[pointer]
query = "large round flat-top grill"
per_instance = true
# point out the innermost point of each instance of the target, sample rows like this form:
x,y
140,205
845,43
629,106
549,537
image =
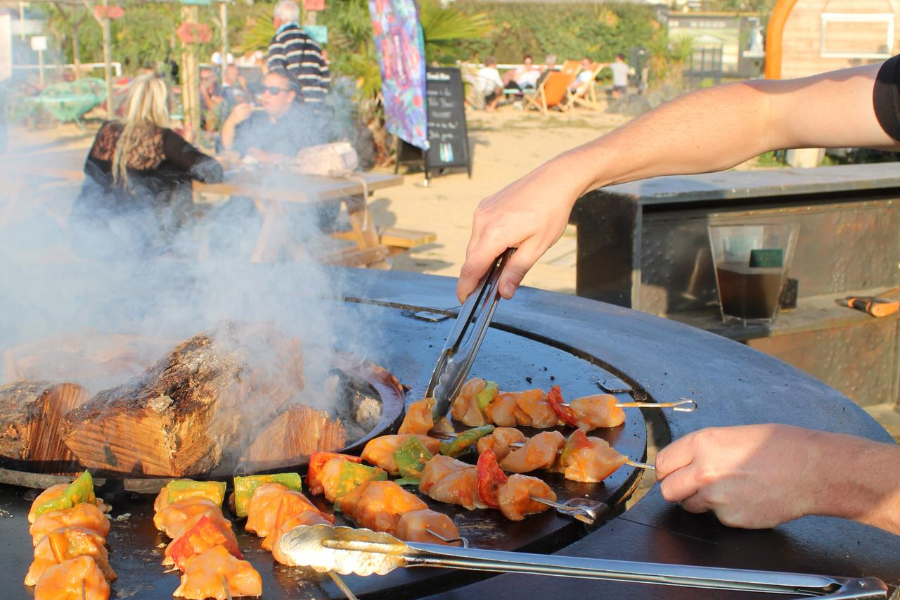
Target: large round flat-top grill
x,y
537,340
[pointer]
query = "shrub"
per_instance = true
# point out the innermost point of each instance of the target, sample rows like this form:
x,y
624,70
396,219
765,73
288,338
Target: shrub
x,y
570,31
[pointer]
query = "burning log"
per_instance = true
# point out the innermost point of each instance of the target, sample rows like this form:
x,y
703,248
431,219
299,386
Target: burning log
x,y
30,415
194,410
296,433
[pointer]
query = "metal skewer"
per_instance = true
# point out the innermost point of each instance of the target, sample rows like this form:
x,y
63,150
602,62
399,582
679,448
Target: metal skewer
x,y
342,586
460,540
583,509
364,552
683,405
227,589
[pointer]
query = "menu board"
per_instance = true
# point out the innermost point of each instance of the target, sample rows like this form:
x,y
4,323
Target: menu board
x,y
448,136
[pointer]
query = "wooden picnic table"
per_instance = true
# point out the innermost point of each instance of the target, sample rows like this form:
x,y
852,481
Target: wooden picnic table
x,y
270,189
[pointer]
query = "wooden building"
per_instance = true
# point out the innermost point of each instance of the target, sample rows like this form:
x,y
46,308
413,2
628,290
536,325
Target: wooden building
x,y
806,37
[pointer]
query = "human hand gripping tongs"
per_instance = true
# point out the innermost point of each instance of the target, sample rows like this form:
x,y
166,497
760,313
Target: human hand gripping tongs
x,y
465,339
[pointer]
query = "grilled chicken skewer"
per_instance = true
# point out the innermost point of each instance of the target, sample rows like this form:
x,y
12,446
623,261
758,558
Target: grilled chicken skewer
x,y
480,402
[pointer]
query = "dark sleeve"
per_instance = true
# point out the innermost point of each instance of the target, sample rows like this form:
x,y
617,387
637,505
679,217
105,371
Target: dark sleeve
x,y
886,97
187,158
276,59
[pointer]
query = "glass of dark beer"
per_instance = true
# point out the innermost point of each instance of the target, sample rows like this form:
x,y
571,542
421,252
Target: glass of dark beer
x,y
751,263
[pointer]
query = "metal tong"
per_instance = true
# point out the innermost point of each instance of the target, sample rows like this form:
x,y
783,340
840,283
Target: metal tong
x,y
365,552
465,339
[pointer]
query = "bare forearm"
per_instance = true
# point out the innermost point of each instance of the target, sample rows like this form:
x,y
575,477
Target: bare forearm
x,y
860,481
718,128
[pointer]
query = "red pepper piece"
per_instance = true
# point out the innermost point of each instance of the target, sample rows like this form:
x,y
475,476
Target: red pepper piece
x,y
566,414
490,478
200,538
316,462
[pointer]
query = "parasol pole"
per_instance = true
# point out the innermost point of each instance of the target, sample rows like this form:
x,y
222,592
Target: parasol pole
x,y
190,73
107,61
223,16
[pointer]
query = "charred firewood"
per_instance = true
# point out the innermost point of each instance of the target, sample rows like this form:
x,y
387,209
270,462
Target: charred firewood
x,y
194,410
294,434
30,415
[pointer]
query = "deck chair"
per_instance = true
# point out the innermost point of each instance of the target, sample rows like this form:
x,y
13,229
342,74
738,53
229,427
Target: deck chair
x,y
551,92
586,97
571,67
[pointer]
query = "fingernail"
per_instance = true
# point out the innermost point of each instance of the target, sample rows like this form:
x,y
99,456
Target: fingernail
x,y
507,290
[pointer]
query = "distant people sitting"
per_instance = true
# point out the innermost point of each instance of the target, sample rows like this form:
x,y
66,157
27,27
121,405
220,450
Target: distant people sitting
x,y
293,51
584,79
234,88
620,73
489,84
548,67
522,78
278,132
209,89
137,194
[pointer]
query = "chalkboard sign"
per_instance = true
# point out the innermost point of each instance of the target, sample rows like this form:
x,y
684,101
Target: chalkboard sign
x,y
448,136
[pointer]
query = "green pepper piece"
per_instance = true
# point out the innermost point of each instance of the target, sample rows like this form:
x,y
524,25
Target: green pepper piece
x,y
354,474
413,481
245,486
58,503
465,440
181,489
487,395
79,491
411,457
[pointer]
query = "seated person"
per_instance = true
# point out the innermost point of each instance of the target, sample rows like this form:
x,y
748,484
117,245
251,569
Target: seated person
x,y
276,133
234,88
548,67
585,78
137,194
522,78
489,84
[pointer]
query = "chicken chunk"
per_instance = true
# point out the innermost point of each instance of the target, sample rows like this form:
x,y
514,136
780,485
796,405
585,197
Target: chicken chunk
x,y
540,452
85,515
499,441
414,525
380,451
596,411
515,497
206,575
419,418
75,579
67,543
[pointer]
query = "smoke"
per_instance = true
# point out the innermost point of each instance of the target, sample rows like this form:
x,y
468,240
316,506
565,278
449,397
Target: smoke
x,y
94,293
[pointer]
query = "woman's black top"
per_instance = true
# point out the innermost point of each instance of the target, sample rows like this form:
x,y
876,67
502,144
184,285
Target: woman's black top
x,y
144,215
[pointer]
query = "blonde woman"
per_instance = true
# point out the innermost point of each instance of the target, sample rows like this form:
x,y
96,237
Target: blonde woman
x,y
136,198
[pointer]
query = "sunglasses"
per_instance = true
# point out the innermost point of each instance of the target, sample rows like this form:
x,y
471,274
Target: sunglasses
x,y
274,91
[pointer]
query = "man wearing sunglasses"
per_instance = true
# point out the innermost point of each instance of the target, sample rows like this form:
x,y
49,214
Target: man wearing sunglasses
x,y
279,131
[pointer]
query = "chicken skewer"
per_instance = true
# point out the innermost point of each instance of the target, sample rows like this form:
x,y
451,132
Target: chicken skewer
x,y
203,547
628,461
480,402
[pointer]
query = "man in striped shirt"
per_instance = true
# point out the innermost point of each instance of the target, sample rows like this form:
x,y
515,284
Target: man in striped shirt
x,y
293,51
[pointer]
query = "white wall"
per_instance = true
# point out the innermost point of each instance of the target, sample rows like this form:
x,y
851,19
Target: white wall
x,y
5,46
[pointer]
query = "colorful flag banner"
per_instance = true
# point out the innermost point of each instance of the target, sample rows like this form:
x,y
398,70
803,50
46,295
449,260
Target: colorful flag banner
x,y
401,56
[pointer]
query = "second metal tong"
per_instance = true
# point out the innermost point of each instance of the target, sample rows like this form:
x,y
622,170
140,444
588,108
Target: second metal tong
x,y
465,338
365,552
